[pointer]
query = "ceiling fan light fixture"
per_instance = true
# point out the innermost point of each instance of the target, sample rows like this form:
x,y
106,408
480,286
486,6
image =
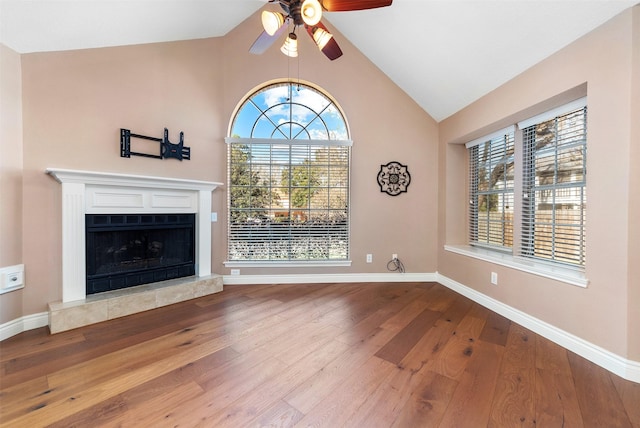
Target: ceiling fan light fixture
x,y
321,37
272,21
311,12
290,46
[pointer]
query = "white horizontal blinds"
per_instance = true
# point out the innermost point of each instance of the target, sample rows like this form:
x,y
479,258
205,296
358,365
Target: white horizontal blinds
x,y
288,202
553,113
554,188
491,190
473,194
494,135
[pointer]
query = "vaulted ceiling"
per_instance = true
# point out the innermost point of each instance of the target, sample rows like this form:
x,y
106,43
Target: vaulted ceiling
x,y
451,52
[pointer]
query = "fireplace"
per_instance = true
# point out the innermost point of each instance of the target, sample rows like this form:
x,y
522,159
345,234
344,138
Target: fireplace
x,y
125,250
140,209
125,196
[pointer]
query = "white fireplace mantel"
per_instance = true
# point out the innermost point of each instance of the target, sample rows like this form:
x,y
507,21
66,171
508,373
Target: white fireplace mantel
x,y
87,192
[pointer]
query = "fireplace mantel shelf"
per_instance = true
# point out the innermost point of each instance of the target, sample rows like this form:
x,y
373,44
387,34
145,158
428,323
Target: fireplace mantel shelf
x,y
116,179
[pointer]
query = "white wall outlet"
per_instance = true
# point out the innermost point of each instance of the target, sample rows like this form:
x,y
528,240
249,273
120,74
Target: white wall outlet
x,y
494,278
11,278
369,258
394,256
235,272
214,217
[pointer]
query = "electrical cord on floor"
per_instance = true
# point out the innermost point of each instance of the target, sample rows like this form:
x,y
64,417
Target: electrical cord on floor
x,y
395,265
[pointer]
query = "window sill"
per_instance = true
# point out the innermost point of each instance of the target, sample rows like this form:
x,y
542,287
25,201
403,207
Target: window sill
x,y
559,273
289,263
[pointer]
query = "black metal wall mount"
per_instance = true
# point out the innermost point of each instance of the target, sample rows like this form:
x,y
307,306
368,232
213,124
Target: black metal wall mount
x,y
394,178
167,148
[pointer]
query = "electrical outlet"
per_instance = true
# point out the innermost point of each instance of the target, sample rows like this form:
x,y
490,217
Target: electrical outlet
x,y
11,278
494,278
235,271
394,256
369,258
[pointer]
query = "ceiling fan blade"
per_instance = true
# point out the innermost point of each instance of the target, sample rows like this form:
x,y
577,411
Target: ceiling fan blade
x,y
262,43
331,49
264,40
346,5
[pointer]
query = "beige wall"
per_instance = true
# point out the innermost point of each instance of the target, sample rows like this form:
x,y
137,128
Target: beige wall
x,y
74,106
598,313
633,300
10,175
386,125
75,103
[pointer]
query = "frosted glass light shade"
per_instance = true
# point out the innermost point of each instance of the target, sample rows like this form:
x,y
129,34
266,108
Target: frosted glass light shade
x,y
272,21
321,37
311,12
290,46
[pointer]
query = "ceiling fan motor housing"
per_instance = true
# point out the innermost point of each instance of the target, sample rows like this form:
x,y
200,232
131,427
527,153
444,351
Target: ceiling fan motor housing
x,y
295,11
308,14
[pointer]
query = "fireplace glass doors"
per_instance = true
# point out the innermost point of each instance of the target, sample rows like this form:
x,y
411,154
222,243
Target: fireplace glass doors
x,y
125,250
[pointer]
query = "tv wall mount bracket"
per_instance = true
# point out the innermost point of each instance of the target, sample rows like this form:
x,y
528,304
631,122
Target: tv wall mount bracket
x,y
167,148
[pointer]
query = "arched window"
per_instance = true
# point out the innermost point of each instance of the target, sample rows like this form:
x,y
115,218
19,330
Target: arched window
x,y
288,173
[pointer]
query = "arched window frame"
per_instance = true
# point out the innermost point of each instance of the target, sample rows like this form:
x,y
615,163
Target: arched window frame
x,y
280,233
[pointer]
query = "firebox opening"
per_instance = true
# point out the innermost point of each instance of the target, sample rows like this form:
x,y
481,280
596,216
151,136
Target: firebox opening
x,y
125,250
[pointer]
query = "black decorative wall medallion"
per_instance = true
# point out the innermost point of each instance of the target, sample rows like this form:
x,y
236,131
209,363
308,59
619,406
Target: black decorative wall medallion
x,y
394,178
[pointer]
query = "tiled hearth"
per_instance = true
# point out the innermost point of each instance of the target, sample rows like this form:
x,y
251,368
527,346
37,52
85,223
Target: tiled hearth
x,y
119,303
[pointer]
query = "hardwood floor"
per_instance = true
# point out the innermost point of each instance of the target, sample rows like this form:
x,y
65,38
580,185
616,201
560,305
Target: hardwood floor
x,y
331,355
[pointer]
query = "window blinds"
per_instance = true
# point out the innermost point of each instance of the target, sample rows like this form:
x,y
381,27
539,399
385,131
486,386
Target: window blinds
x,y
288,201
491,189
554,186
494,135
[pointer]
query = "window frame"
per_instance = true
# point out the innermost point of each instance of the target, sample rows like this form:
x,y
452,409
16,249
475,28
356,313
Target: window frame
x,y
294,144
513,258
498,151
572,251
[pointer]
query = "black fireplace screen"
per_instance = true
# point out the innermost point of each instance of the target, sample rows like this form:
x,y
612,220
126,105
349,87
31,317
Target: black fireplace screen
x,y
128,250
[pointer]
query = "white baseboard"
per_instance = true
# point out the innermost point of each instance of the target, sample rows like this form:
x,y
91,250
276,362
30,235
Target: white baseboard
x,y
329,278
28,322
614,363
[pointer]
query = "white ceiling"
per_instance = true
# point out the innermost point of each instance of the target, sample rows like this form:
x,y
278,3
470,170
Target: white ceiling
x,y
444,53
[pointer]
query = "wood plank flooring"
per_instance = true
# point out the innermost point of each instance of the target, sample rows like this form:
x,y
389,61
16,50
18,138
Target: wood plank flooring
x,y
297,355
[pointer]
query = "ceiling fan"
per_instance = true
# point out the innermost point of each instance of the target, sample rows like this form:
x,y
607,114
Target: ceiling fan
x,y
307,14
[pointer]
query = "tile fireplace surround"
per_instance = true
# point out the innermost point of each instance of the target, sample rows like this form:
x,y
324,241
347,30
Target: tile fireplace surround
x,y
85,192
